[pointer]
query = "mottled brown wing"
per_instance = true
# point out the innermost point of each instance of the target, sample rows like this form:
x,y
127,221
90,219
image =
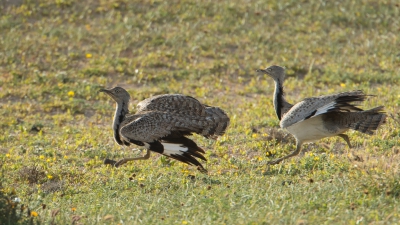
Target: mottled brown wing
x,y
311,107
173,103
154,125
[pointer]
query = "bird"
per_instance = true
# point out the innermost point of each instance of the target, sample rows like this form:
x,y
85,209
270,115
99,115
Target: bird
x,y
163,123
324,116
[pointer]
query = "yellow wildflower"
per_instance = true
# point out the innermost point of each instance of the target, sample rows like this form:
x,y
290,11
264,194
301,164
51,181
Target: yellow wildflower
x,y
8,155
34,214
49,177
41,157
71,94
73,209
184,222
88,55
342,85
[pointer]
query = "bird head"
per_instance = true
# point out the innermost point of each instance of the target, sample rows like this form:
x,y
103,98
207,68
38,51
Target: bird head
x,y
117,93
276,72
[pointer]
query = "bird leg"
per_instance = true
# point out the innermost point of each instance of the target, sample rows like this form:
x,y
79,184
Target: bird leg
x,y
294,153
346,138
202,170
355,157
125,160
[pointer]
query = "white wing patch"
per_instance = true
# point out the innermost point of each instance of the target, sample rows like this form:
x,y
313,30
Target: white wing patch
x,y
297,114
325,108
174,149
319,111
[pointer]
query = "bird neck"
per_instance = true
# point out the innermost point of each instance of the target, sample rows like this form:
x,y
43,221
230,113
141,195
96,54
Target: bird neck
x,y
280,104
120,112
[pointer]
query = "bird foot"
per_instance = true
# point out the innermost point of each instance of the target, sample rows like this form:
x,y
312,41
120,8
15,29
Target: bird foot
x,y
114,163
357,158
202,170
109,162
274,162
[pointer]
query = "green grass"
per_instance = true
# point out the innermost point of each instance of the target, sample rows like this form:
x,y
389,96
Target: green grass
x,y
56,127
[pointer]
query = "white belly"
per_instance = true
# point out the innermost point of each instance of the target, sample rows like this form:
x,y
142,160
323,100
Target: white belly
x,y
311,130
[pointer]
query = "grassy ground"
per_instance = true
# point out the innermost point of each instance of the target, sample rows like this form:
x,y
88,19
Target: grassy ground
x,y
56,129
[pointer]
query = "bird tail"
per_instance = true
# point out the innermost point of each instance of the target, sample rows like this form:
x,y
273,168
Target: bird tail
x,y
184,150
369,120
216,122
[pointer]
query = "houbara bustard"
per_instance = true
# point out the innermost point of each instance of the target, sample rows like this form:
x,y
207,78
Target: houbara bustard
x,y
161,124
325,116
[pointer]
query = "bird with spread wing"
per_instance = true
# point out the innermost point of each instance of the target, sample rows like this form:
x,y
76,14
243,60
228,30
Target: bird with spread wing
x,y
163,123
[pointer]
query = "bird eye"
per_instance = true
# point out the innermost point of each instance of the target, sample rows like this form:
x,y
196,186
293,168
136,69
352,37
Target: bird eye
x,y
269,70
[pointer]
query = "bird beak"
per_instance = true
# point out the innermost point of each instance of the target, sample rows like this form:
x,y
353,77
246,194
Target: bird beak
x,y
104,90
108,92
261,71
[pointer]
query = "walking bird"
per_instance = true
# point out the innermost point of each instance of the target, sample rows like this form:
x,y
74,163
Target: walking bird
x,y
324,116
162,123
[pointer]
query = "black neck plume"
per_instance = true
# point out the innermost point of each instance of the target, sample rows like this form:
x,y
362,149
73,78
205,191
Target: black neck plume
x,y
120,113
278,99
